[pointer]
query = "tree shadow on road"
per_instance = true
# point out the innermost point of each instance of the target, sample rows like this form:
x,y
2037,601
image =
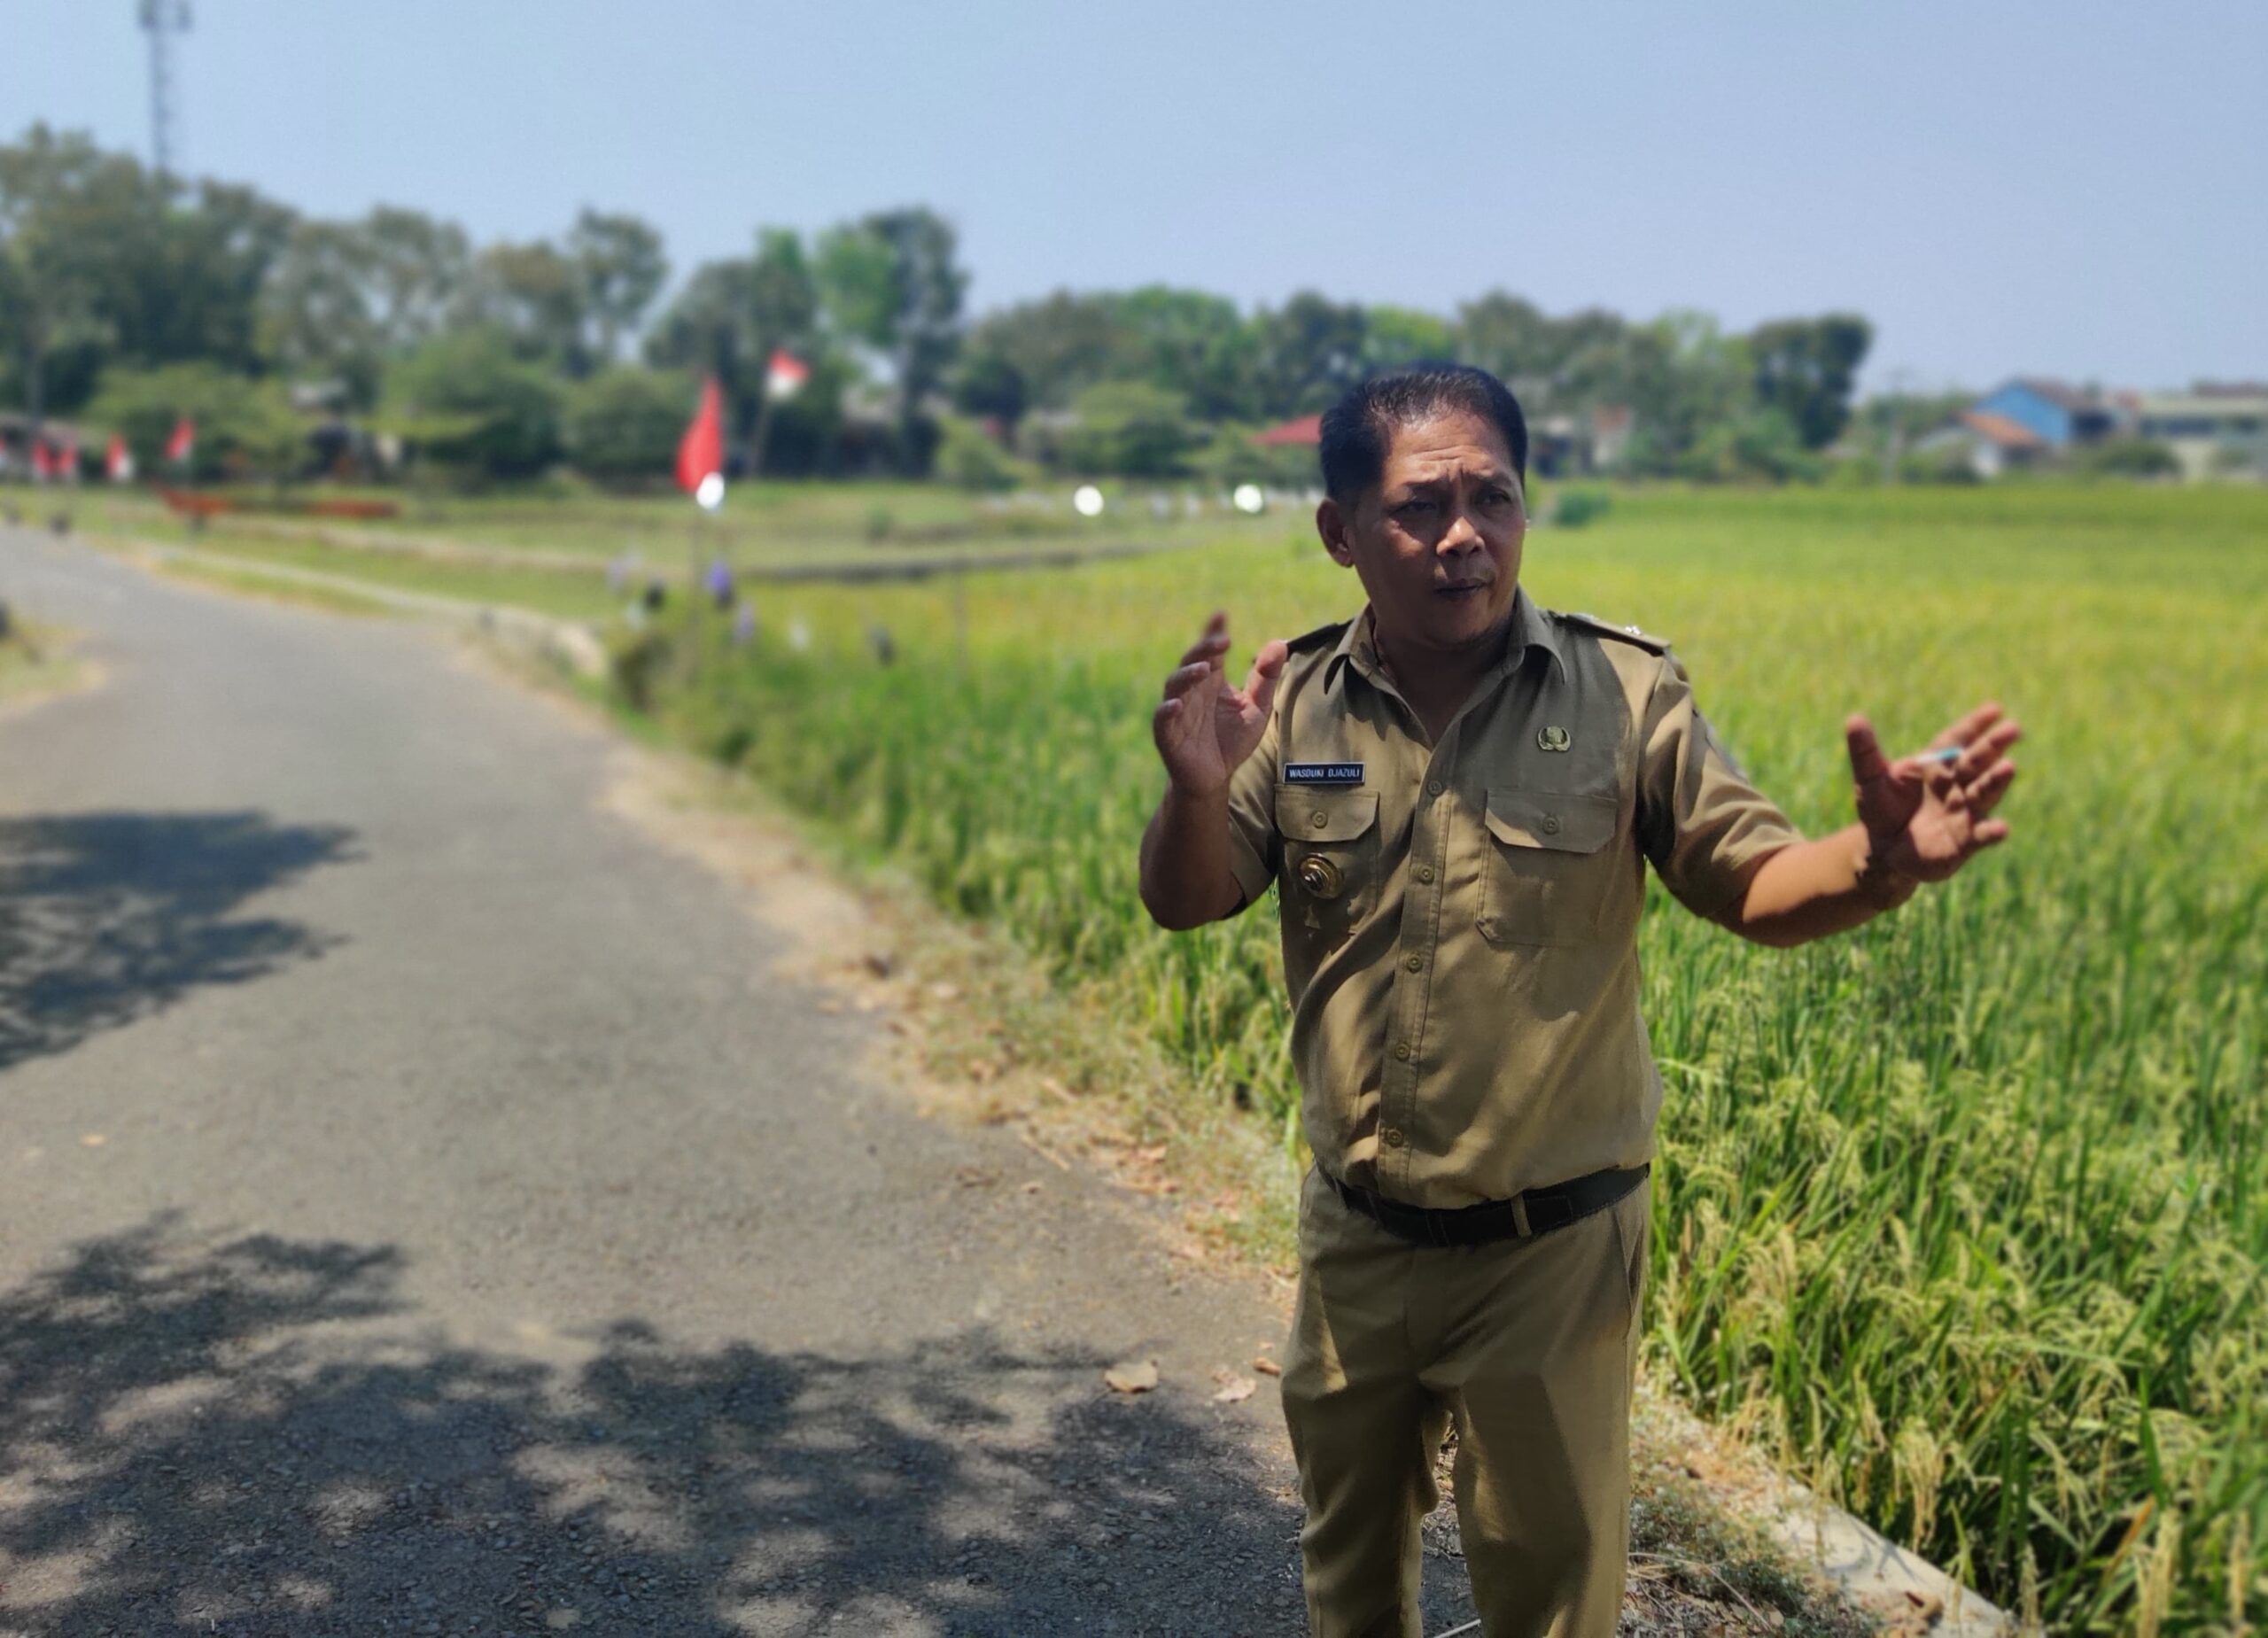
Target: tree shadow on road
x,y
254,1438
106,918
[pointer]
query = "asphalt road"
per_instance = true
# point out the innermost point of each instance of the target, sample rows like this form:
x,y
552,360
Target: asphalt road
x,y
423,1209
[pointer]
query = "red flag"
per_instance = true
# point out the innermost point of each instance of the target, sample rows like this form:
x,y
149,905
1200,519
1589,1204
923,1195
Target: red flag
x,y
184,440
784,373
701,452
118,462
42,463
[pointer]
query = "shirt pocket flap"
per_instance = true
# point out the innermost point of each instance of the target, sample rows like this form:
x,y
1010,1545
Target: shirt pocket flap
x,y
1325,815
1554,819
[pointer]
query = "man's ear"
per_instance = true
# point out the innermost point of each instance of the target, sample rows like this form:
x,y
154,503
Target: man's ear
x,y
1331,523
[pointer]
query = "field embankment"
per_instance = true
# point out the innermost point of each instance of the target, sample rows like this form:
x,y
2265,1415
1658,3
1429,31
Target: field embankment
x,y
1964,1216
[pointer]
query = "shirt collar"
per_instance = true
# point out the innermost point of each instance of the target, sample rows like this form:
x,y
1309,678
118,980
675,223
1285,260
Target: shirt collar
x,y
1531,628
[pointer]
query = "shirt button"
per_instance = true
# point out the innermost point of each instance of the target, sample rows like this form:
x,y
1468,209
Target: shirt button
x,y
1550,823
1425,872
1392,1135
1321,820
1432,788
1402,1051
1416,964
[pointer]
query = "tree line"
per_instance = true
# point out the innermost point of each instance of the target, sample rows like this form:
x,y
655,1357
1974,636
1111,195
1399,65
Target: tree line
x,y
128,299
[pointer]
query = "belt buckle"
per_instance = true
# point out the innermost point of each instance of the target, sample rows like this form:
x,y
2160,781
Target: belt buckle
x,y
1522,1230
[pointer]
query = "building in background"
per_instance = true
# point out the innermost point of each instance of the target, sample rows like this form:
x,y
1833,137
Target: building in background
x,y
2214,430
2060,417
1989,444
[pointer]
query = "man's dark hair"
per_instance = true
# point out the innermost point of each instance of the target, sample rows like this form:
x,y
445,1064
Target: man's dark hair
x,y
1358,429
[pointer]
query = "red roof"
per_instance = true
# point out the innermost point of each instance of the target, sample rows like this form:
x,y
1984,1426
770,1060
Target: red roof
x,y
1306,429
2001,430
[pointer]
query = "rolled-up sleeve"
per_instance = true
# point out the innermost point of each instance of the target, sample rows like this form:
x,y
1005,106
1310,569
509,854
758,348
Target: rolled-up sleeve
x,y
1254,854
1702,824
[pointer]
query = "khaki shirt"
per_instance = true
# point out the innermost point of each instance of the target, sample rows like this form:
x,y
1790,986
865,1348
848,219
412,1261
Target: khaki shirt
x,y
1460,919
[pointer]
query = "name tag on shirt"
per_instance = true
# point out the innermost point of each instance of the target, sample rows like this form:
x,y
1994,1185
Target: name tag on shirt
x,y
1323,773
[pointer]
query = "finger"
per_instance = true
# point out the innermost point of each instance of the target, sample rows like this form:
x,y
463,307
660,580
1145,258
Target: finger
x,y
1984,794
1208,647
1266,671
1985,749
1867,762
1969,727
1991,834
1188,677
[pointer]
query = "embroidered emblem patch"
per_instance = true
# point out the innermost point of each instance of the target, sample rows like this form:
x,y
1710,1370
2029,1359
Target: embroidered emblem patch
x,y
1554,738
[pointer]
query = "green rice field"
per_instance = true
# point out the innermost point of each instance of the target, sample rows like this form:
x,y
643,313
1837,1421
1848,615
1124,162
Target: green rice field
x,y
1965,1215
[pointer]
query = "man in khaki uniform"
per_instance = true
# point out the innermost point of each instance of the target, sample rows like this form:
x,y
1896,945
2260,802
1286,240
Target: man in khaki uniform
x,y
1458,792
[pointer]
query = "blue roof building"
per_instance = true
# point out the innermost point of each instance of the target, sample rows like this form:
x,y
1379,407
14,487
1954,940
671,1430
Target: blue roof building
x,y
2057,414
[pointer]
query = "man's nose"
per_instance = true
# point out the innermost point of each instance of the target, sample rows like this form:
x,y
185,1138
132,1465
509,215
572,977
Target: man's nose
x,y
1460,536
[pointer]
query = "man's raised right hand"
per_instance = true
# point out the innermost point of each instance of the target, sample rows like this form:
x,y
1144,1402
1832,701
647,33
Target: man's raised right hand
x,y
1203,728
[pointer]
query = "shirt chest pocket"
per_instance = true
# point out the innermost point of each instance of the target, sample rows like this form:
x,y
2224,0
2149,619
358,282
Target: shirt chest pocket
x,y
1331,858
1545,866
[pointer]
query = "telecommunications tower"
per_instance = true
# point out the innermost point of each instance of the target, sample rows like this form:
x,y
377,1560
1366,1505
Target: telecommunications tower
x,y
162,19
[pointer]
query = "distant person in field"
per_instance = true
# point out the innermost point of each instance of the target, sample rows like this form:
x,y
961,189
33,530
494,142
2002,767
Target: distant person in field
x,y
1456,792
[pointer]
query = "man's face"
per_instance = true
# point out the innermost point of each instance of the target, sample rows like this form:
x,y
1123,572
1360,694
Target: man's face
x,y
1437,543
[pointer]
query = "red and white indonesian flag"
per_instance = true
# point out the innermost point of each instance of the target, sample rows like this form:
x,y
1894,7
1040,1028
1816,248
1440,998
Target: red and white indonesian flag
x,y
118,460
700,451
785,374
183,441
43,459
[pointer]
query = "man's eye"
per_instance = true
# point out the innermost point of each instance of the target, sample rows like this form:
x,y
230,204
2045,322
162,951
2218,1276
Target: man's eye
x,y
1410,509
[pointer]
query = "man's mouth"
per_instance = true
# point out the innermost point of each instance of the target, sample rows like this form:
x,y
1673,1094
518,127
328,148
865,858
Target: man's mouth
x,y
1462,590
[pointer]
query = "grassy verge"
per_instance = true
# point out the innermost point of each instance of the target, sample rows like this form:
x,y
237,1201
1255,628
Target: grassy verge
x,y
251,583
762,525
36,660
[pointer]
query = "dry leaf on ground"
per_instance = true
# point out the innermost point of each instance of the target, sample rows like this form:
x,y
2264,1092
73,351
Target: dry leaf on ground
x,y
1132,1376
1234,1390
1267,1367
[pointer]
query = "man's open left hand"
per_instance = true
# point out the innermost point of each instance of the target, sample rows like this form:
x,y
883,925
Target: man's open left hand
x,y
1925,819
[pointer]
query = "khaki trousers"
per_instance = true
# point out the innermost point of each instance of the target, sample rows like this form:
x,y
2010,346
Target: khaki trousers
x,y
1529,1346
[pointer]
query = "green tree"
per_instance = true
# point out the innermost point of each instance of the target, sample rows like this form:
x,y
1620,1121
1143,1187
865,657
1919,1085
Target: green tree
x,y
1186,341
467,400
1131,429
622,425
418,277
1761,443
1053,347
243,426
316,318
1807,368
1393,336
890,280
1310,351
66,208
1507,335
623,268
2128,457
986,384
533,294
967,456
1683,378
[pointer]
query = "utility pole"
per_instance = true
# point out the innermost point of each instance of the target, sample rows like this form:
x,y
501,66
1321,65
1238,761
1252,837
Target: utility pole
x,y
1893,432
162,19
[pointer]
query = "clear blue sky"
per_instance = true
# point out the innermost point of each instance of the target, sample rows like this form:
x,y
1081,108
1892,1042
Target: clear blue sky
x,y
2074,188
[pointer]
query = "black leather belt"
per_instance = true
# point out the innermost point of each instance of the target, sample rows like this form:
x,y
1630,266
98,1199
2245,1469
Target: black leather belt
x,y
1523,1217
